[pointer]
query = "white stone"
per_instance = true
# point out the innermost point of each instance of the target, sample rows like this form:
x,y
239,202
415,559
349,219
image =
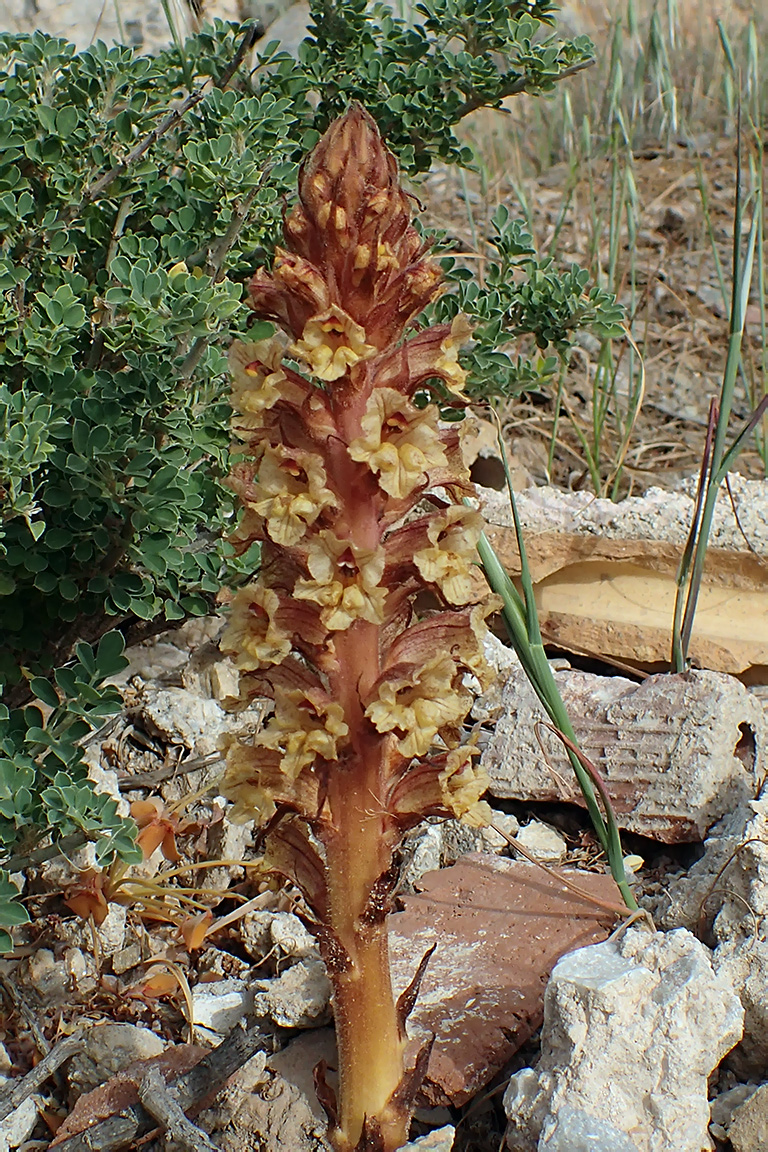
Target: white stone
x,y
573,1130
181,717
543,842
276,934
290,936
256,933
219,1005
441,1140
427,855
632,1029
493,841
727,891
19,1124
48,976
300,998
743,963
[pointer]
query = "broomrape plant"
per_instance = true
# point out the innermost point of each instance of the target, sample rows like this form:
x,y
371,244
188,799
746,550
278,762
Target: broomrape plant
x,y
355,491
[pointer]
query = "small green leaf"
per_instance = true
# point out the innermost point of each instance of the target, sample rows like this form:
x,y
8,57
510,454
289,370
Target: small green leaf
x,y
66,121
44,691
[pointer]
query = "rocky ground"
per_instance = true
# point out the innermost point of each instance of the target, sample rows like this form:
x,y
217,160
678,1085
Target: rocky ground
x,y
654,1033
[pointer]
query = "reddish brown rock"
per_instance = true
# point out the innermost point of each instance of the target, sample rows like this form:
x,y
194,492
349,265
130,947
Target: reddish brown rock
x,y
500,925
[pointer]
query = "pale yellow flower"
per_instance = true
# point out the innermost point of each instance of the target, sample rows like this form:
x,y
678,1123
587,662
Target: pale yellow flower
x,y
331,343
257,378
306,725
345,582
453,535
292,482
400,443
447,364
462,784
254,780
418,705
252,633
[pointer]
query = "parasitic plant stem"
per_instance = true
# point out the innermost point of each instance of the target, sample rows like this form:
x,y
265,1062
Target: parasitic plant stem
x,y
365,625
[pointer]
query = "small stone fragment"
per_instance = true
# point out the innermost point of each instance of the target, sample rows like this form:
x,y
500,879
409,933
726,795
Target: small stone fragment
x,y
300,998
543,842
723,1106
493,841
427,855
47,976
107,1049
219,1005
181,717
19,1124
632,1029
748,1130
441,1140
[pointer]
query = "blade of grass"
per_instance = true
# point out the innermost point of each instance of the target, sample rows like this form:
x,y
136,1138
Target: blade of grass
x,y
522,622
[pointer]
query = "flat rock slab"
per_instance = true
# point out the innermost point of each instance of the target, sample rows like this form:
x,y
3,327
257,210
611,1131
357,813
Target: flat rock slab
x,y
500,925
604,573
676,752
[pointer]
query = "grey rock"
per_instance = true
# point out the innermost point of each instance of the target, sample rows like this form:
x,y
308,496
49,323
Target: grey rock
x,y
657,515
632,1029
427,854
744,965
19,1124
154,661
695,897
259,1109
108,1048
300,998
723,1106
48,976
296,1062
748,1130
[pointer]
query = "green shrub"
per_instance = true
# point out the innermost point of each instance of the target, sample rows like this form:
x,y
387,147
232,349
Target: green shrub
x,y
44,785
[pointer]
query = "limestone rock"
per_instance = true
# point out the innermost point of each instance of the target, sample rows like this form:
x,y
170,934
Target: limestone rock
x,y
676,752
632,1029
219,1005
748,1130
723,1106
279,934
743,963
441,1140
181,717
543,842
107,1049
300,998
